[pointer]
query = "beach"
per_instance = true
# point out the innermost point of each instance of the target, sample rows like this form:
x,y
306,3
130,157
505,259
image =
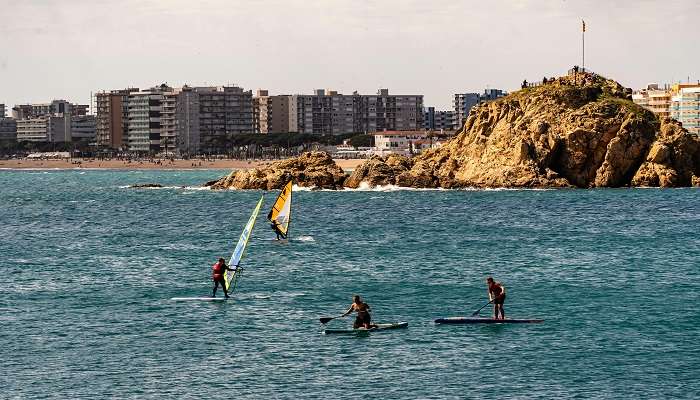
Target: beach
x,y
92,163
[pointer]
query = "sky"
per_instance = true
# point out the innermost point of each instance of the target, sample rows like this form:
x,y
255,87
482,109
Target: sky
x,y
68,49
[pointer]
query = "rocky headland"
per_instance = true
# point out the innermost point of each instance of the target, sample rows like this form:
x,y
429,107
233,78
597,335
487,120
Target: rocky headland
x,y
577,131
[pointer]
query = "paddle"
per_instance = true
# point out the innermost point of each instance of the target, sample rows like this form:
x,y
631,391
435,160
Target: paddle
x,y
325,320
475,313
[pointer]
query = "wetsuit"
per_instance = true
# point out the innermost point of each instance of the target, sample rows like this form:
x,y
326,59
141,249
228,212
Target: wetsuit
x,y
219,277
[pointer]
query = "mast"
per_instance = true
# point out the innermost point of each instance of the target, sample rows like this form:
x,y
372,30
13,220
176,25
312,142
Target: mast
x,y
583,45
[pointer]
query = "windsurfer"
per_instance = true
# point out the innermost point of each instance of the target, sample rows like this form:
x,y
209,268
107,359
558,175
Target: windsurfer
x,y
219,276
363,318
275,227
497,295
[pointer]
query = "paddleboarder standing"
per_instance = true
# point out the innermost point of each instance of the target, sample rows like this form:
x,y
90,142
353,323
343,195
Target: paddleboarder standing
x,y
218,275
497,295
363,319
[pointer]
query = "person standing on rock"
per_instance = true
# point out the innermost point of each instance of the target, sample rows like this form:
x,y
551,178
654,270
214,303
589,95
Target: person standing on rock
x,y
497,296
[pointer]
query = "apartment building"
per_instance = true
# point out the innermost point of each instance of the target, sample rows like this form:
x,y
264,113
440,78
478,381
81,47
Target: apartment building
x,y
83,128
2,110
22,111
8,131
685,108
44,128
261,111
329,112
112,118
435,120
208,117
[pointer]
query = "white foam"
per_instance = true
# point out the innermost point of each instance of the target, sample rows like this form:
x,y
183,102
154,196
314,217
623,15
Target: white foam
x,y
305,239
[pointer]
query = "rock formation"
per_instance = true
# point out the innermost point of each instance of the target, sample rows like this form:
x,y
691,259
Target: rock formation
x,y
312,169
145,186
378,171
581,131
576,131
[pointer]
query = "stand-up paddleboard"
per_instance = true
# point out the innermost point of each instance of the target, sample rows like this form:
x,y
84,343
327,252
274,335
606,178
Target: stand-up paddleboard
x,y
467,320
380,327
199,299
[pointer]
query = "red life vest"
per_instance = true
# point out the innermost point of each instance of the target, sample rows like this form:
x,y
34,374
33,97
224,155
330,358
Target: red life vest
x,y
217,271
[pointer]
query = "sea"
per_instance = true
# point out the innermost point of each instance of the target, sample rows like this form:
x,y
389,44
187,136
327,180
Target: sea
x,y
89,267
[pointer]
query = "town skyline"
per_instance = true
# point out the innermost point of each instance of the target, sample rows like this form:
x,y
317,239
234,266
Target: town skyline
x,y
293,47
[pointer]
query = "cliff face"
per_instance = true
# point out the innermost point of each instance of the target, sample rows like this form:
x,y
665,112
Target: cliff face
x,y
577,131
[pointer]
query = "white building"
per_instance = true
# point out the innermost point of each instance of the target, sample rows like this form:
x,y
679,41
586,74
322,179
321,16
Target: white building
x,y
43,129
404,143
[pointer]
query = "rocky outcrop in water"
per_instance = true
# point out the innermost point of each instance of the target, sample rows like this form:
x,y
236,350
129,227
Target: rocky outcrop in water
x,y
146,186
580,131
577,131
673,159
312,169
379,171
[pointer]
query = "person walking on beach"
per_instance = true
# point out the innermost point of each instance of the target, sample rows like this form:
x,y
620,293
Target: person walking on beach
x,y
363,319
497,295
218,275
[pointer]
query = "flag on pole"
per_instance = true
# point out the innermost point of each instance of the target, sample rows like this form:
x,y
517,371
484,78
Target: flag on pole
x,y
584,25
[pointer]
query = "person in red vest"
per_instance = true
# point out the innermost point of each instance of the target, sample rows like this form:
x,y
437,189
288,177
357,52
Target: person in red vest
x,y
218,275
497,295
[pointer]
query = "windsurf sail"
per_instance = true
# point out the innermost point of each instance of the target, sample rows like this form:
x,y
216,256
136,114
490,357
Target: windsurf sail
x,y
281,212
234,262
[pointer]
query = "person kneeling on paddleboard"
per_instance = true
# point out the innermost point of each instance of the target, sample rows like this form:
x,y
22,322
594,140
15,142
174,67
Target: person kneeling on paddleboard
x,y
218,275
363,319
497,295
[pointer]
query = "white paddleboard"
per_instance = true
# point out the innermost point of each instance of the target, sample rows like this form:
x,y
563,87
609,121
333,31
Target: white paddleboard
x,y
199,299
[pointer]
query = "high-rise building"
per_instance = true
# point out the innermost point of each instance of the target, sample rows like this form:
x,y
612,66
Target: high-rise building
x,y
112,118
22,111
45,128
82,128
8,131
438,120
168,135
685,108
261,111
208,118
145,109
328,112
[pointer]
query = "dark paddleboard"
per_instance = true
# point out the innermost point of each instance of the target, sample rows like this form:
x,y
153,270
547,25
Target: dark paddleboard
x,y
380,327
199,299
466,320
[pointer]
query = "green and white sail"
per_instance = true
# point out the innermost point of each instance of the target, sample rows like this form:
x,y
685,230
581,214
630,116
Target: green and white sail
x,y
234,262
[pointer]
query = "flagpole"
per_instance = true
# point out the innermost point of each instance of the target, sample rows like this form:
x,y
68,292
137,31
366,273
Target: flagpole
x,y
583,45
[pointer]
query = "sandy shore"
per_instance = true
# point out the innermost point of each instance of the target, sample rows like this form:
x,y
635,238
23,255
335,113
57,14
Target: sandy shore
x,y
164,164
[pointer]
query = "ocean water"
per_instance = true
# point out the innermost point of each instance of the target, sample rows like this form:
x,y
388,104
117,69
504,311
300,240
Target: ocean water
x,y
88,268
